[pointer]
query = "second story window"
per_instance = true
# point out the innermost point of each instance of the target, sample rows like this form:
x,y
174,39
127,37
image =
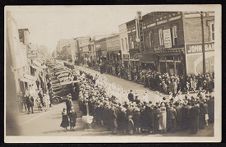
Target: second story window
x,y
131,43
160,37
174,35
150,38
211,28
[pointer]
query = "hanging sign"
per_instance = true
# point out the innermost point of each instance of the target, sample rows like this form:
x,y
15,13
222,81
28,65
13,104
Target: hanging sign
x,y
167,38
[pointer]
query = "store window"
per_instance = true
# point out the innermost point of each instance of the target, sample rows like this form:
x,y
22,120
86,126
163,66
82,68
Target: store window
x,y
160,37
211,28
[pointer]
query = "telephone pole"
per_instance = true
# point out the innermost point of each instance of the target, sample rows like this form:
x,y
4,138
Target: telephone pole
x,y
203,44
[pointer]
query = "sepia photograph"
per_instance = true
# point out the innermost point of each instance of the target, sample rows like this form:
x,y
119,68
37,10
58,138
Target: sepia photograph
x,y
112,73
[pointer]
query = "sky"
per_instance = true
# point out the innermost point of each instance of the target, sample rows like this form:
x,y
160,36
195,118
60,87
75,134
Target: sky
x,y
48,24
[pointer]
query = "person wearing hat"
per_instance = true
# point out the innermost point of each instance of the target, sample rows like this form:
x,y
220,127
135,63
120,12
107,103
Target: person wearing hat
x,y
148,118
204,116
195,114
131,96
72,118
122,120
68,103
65,121
137,120
171,118
210,104
130,125
162,118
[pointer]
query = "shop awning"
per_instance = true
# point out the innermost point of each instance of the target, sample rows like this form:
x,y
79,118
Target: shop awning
x,y
134,59
148,58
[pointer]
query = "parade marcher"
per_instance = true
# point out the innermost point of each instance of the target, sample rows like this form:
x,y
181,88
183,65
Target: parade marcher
x,y
72,118
65,121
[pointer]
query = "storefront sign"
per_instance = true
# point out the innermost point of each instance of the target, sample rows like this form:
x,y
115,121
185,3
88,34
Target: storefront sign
x,y
167,38
197,48
161,22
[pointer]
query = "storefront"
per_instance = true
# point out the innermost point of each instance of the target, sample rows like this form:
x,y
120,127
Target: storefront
x,y
171,62
149,61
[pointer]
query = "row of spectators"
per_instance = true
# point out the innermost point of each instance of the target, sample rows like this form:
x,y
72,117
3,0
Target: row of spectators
x,y
164,83
190,113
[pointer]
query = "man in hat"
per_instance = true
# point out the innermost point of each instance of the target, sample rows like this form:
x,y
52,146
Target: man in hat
x,y
131,96
68,102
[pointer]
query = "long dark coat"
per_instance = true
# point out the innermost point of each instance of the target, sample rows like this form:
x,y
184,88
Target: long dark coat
x,y
72,118
65,121
195,113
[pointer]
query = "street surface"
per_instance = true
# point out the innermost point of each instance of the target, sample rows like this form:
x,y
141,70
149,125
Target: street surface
x,y
48,123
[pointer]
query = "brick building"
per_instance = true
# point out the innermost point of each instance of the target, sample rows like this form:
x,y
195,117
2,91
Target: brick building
x,y
172,42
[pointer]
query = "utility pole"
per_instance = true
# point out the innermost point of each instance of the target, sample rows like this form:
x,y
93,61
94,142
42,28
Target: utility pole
x,y
203,44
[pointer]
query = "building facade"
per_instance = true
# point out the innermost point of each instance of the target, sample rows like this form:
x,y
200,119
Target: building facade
x,y
83,49
124,45
113,49
172,42
101,49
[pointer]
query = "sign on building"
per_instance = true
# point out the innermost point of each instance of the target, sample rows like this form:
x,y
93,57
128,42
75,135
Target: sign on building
x,y
167,38
197,48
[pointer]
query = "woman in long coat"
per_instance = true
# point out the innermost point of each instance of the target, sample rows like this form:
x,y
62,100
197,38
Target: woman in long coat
x,y
65,121
72,118
162,118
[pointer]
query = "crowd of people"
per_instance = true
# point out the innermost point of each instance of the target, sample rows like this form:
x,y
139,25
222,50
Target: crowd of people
x,y
135,116
165,82
36,95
